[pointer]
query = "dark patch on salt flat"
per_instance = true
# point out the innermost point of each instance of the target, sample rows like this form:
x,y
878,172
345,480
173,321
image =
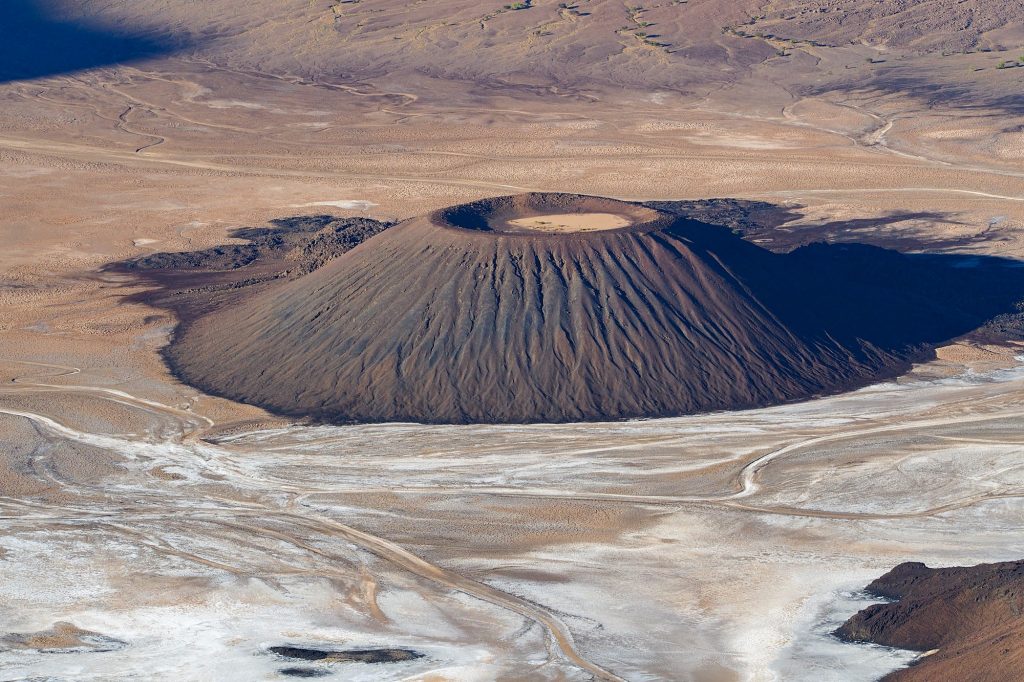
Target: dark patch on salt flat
x,y
382,655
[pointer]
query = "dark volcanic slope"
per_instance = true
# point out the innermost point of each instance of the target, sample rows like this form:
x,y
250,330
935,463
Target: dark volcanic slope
x,y
305,242
454,318
973,616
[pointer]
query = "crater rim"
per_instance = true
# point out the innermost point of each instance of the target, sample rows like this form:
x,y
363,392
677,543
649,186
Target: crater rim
x,y
549,215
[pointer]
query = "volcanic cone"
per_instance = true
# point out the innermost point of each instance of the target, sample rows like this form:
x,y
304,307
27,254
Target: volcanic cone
x,y
553,308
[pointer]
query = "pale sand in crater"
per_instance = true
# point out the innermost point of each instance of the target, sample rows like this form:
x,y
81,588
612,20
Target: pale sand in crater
x,y
571,222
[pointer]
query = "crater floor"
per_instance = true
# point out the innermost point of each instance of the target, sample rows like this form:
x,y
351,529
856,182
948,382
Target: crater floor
x,y
570,222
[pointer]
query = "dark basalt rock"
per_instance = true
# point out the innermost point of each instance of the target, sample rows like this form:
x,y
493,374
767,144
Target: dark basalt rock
x,y
383,655
973,617
305,672
307,242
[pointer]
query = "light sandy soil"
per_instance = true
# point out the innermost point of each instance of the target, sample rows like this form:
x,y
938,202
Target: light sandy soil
x,y
716,547
571,222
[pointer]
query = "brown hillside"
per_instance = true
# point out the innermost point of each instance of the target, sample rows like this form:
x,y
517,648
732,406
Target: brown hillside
x,y
923,26
558,48
754,56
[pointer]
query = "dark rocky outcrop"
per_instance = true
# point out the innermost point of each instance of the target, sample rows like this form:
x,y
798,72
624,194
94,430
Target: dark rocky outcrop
x,y
305,242
972,619
381,655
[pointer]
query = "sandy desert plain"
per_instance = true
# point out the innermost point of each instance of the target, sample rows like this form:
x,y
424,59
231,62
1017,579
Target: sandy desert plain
x,y
184,536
